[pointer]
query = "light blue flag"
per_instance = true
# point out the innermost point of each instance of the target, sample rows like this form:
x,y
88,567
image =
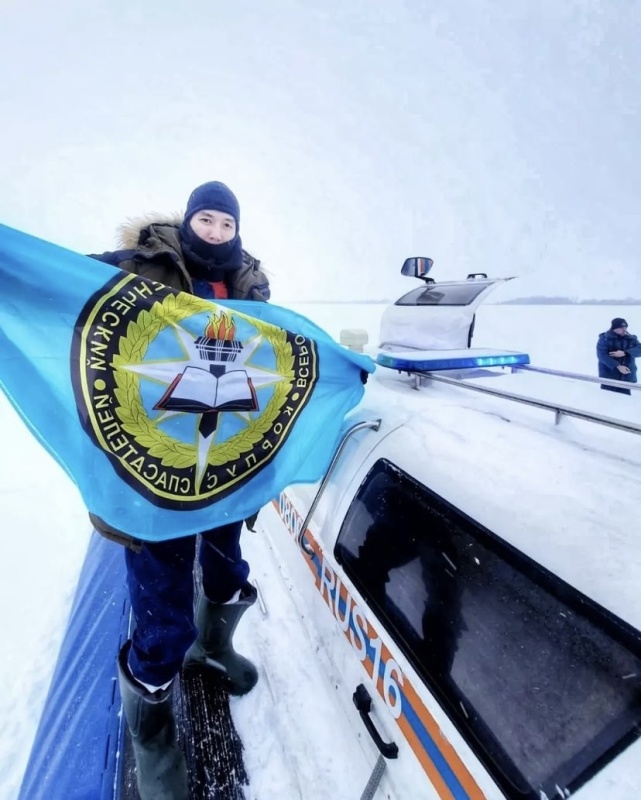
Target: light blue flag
x,y
170,413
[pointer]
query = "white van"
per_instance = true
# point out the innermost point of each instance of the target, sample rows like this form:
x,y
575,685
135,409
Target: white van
x,y
492,674
483,600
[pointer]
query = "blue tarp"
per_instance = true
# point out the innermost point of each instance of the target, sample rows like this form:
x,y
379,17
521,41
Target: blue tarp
x,y
75,748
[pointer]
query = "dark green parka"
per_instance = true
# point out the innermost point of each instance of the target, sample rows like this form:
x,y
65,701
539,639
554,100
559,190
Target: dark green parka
x,y
151,248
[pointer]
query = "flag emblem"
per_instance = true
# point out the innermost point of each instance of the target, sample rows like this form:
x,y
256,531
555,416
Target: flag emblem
x,y
188,399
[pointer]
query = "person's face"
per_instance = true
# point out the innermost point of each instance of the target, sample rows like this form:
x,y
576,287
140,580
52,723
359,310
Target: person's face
x,y
623,329
214,227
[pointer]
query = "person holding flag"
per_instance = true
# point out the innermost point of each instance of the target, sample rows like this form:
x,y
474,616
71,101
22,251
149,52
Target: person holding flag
x,y
179,406
203,255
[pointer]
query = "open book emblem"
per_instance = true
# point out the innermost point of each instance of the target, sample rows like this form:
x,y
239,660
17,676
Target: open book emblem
x,y
212,387
198,391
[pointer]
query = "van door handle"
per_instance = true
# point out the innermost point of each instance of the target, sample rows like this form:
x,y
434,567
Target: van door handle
x,y
363,703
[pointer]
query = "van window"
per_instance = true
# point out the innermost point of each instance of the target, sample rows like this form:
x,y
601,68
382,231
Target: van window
x,y
544,684
442,295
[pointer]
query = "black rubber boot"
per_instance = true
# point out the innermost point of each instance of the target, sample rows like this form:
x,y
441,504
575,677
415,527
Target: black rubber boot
x,y
216,623
161,772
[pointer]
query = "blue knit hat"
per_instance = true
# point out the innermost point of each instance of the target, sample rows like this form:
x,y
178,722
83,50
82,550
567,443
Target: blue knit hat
x,y
618,322
216,197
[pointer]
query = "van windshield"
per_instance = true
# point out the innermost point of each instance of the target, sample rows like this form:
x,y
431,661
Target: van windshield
x,y
442,295
544,684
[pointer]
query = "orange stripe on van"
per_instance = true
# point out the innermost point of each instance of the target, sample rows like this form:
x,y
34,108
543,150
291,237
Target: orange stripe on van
x,y
445,750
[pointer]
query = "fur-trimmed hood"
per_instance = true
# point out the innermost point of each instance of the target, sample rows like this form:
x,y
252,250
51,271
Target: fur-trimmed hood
x,y
128,234
163,235
150,245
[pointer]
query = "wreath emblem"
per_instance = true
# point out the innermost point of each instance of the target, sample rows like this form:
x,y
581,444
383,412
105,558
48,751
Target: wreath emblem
x,y
187,398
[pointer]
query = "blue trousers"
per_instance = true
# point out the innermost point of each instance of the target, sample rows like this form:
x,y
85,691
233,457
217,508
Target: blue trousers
x,y
161,589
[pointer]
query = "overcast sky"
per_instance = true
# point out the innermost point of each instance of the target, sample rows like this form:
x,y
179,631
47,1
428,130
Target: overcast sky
x,y
488,134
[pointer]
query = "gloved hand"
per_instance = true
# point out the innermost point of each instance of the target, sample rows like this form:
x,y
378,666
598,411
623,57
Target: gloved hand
x,y
261,292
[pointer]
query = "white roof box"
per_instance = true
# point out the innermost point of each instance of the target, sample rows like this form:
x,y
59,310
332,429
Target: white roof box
x,y
438,315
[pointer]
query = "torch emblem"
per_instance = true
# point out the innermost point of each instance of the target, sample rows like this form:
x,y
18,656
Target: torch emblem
x,y
216,385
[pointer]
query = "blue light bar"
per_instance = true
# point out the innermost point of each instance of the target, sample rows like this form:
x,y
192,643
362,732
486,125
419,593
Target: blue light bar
x,y
406,362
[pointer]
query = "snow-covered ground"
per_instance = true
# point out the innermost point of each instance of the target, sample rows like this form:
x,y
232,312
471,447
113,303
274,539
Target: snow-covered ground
x,y
45,534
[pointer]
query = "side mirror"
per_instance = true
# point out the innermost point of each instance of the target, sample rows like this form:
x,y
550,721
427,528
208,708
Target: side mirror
x,y
417,267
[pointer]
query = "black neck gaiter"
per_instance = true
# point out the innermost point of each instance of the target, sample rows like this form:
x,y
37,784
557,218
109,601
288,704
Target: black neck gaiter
x,y
206,261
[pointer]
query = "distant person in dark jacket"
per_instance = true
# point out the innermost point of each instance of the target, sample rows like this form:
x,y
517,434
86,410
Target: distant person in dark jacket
x,y
616,351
